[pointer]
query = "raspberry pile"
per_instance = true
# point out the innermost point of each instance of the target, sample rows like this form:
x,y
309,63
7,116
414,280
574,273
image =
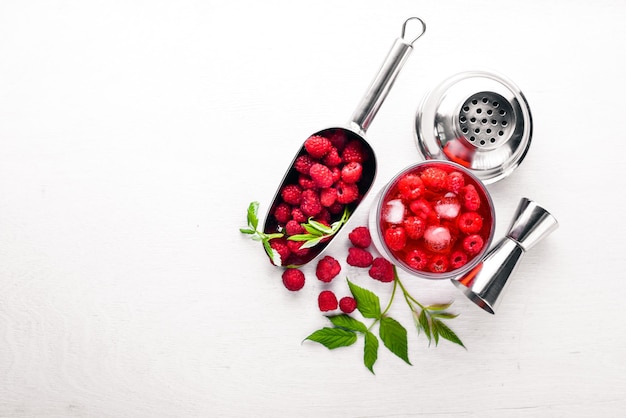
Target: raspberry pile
x,y
329,175
435,218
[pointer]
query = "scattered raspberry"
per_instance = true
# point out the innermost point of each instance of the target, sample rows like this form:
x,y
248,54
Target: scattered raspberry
x,y
321,175
310,205
294,227
295,248
358,257
458,259
414,227
473,244
281,247
456,182
282,213
353,152
317,146
434,178
395,237
332,159
360,237
291,194
328,196
303,164
347,193
347,304
437,238
470,222
327,301
470,197
306,182
416,259
298,216
438,264
381,270
351,172
327,269
293,279
411,187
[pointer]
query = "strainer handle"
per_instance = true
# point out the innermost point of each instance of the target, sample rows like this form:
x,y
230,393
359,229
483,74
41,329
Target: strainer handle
x,y
387,74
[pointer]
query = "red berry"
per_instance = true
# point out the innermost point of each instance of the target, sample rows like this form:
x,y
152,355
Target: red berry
x,y
346,192
332,159
351,172
336,208
353,152
336,174
310,205
282,213
280,246
470,222
295,248
438,264
303,164
437,238
358,257
294,227
473,244
458,259
327,301
411,187
338,139
421,208
395,237
328,196
298,216
327,269
324,217
321,175
434,178
414,226
416,259
291,194
317,146
306,182
347,304
470,198
381,270
360,237
456,182
293,279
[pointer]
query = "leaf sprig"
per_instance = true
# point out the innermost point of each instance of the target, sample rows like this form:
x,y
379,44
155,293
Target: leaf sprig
x,y
317,232
428,319
252,229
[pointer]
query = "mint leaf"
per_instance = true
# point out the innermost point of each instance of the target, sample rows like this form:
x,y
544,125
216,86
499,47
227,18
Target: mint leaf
x,y
424,324
444,315
447,333
347,322
394,337
370,352
439,306
302,237
247,231
314,232
320,227
274,255
366,301
253,220
332,338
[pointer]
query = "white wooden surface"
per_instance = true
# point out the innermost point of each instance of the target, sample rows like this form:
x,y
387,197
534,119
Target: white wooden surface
x,y
133,134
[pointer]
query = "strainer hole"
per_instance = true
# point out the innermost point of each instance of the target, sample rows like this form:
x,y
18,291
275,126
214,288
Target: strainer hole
x,y
479,110
494,122
482,142
484,121
489,112
472,138
492,140
463,119
502,112
466,108
485,100
500,133
477,130
465,130
472,120
474,102
496,104
504,123
488,130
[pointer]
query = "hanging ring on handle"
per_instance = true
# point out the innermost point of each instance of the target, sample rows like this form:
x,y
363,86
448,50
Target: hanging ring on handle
x,y
419,30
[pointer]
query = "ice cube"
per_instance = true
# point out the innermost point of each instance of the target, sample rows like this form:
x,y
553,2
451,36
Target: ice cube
x,y
393,212
437,238
448,207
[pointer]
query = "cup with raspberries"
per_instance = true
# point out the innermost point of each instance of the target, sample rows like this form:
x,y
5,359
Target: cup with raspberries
x,y
435,219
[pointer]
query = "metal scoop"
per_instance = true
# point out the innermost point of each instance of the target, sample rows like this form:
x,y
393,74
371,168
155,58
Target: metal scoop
x,y
412,29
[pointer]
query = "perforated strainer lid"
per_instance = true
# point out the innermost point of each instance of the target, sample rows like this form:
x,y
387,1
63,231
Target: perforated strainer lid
x,y
478,119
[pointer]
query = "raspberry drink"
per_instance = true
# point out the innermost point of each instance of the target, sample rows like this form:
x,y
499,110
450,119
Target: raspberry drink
x,y
435,219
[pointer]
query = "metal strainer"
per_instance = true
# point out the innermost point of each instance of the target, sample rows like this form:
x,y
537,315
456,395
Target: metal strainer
x,y
478,119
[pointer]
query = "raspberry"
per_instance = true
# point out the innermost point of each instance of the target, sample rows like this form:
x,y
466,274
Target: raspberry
x,y
353,152
347,304
306,182
414,227
338,139
421,208
458,259
281,247
395,237
434,178
381,270
332,159
324,217
317,146
470,222
470,197
293,227
472,244
328,196
327,269
303,164
347,193
438,264
411,187
282,213
321,175
293,279
358,257
310,205
327,301
295,248
336,174
360,237
456,182
336,208
351,172
298,216
291,194
437,238
416,259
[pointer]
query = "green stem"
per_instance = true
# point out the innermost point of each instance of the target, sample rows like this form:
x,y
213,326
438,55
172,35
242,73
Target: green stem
x,y
407,295
393,294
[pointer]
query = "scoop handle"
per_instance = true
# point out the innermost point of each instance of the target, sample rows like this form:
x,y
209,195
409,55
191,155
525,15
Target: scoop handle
x,y
387,74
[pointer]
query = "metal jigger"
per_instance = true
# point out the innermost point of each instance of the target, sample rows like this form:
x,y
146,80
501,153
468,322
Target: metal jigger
x,y
484,284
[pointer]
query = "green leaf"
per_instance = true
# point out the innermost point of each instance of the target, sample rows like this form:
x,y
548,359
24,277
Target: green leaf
x,y
332,338
370,352
394,337
274,255
302,237
447,333
247,231
439,306
347,322
435,329
312,231
444,315
425,325
366,301
253,220
320,227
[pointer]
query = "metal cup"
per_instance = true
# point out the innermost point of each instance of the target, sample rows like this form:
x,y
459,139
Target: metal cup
x,y
486,282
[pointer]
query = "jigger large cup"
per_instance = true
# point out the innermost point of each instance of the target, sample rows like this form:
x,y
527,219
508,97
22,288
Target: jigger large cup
x,y
485,284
